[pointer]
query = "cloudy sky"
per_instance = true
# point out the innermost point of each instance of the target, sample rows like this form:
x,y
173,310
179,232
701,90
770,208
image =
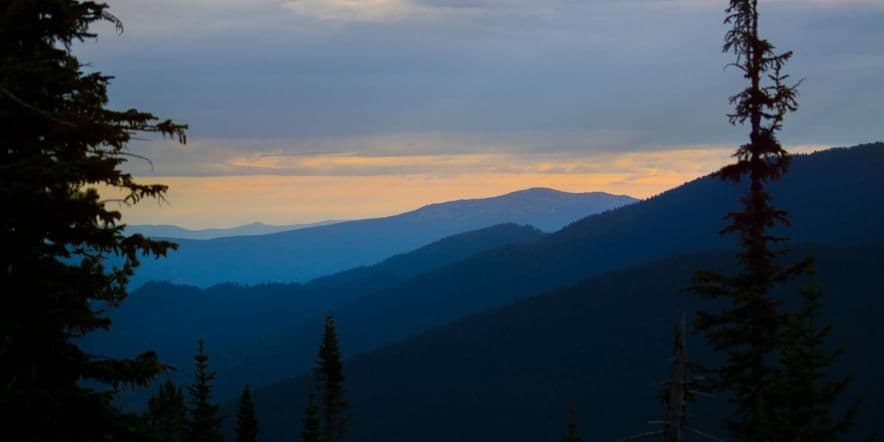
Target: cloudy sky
x,y
303,110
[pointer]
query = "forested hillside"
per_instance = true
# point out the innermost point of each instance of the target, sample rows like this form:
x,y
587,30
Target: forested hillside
x,y
601,346
683,220
271,335
233,317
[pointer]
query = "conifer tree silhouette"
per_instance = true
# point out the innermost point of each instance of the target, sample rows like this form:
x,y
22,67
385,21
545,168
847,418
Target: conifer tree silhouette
x,y
330,384
167,413
61,143
203,424
806,393
247,427
312,424
571,433
749,327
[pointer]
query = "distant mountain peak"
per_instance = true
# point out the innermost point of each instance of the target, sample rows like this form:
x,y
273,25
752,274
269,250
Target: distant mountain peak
x,y
533,194
316,251
548,191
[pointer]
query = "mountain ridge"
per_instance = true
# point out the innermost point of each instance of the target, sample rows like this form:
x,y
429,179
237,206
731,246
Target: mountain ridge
x,y
172,231
683,220
317,251
189,312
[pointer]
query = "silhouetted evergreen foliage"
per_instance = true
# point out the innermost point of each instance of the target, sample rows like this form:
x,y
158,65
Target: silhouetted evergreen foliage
x,y
806,393
312,431
166,413
571,434
203,423
498,374
59,144
748,328
330,384
247,427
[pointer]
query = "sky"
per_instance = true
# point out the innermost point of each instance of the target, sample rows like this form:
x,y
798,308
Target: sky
x,y
308,110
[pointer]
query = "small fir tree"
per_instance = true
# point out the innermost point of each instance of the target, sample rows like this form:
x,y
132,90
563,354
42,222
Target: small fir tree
x,y
806,396
204,424
571,433
312,424
330,383
167,413
246,421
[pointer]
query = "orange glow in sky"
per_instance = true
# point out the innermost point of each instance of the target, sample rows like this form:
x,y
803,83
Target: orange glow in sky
x,y
223,201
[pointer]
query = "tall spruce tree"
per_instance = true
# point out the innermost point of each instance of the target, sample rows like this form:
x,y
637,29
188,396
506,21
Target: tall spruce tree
x,y
246,421
60,143
330,384
167,413
203,423
749,328
311,422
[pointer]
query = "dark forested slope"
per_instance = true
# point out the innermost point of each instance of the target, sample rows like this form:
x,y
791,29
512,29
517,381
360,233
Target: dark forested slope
x,y
169,317
829,196
601,346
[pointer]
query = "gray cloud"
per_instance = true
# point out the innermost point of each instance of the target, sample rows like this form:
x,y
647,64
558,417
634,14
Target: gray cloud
x,y
582,76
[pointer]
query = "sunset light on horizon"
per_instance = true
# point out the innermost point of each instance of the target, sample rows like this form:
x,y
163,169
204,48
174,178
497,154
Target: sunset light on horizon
x,y
230,200
441,220
302,111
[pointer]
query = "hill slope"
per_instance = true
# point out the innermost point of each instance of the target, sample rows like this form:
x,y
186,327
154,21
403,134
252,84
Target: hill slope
x,y
170,317
683,220
304,254
826,193
601,346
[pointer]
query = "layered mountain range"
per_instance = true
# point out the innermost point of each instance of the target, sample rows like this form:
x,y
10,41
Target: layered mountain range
x,y
307,253
256,228
510,325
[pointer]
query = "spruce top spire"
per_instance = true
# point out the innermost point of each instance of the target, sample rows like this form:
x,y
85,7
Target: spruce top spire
x,y
330,384
204,424
763,104
247,427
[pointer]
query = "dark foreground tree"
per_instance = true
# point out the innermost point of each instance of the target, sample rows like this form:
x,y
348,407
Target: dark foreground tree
x,y
312,424
330,384
246,421
60,143
571,433
749,327
166,413
807,394
203,423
